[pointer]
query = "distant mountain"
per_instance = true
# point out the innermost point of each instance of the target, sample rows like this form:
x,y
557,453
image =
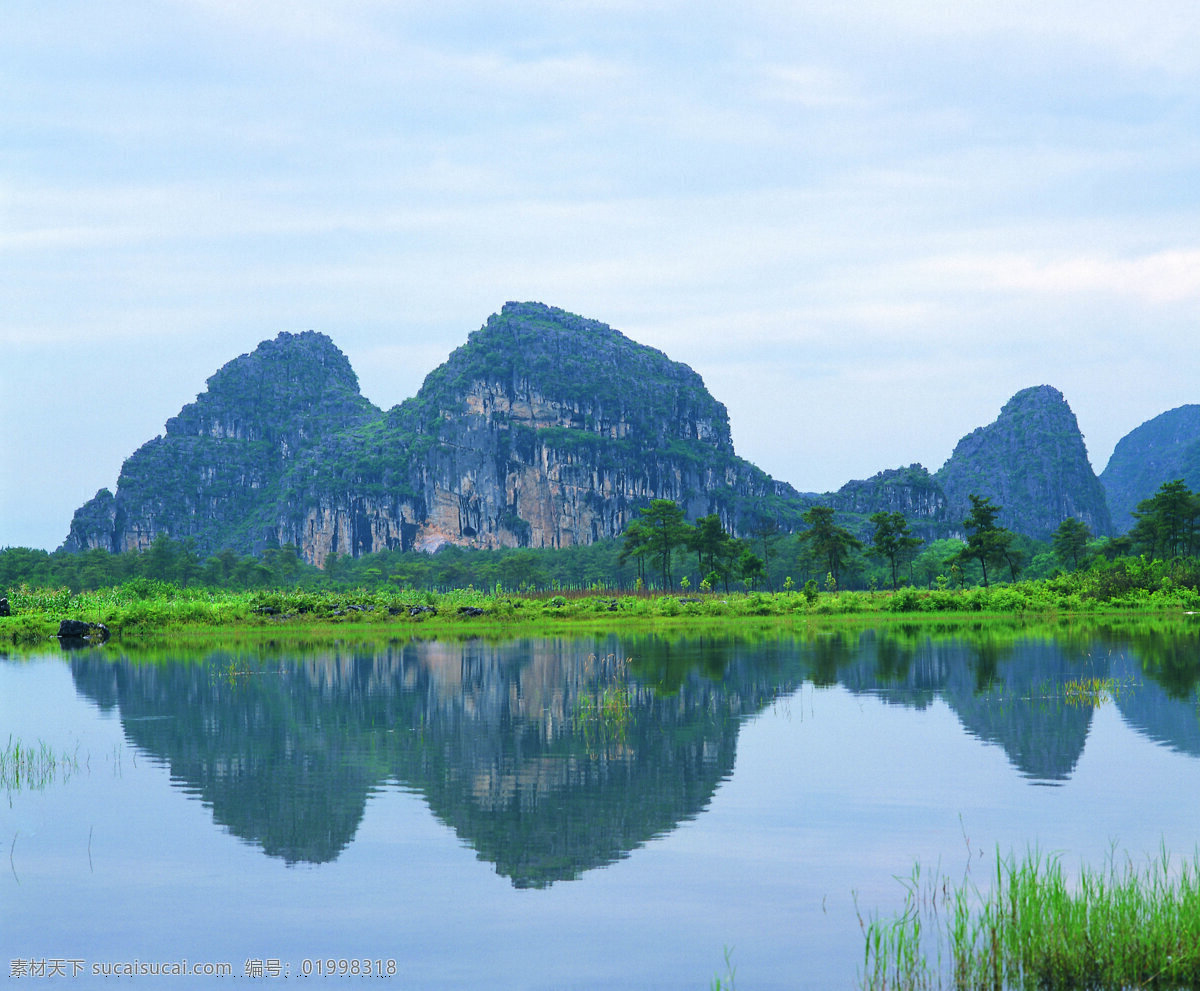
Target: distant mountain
x,y
911,491
217,474
1160,450
544,430
1032,462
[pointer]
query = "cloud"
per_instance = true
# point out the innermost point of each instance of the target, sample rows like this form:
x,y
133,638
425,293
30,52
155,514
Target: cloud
x,y
1169,276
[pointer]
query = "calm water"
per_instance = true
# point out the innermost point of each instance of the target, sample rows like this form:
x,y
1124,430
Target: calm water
x,y
454,807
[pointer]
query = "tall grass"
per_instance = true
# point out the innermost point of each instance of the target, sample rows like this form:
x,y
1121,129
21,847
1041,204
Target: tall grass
x,y
33,767
1116,927
603,712
150,611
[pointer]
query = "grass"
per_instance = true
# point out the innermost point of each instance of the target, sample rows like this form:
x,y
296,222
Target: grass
x,y
1094,692
603,714
33,767
156,612
1106,929
726,983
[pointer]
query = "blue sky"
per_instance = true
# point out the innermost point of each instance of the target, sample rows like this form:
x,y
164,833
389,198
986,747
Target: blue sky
x,y
865,224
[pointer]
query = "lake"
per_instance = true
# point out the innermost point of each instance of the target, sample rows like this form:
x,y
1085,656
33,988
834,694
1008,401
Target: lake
x,y
615,812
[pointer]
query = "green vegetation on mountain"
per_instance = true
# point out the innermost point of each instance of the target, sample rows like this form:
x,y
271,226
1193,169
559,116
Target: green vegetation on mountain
x,y
544,430
1032,461
216,475
1162,449
547,431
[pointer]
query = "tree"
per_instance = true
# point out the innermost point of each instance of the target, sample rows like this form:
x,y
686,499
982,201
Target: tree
x,y
987,542
750,567
668,530
893,540
636,545
767,533
1070,542
1168,523
714,553
826,542
160,558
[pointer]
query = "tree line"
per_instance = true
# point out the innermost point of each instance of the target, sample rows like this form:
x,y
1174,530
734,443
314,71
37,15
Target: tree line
x,y
661,550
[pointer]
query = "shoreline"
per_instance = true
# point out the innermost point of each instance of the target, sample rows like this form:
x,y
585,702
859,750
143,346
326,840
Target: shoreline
x,y
191,617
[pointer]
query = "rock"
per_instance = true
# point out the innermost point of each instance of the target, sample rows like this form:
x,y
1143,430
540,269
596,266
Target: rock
x,y
420,610
77,630
4,609
1160,450
1032,462
470,611
544,430
911,491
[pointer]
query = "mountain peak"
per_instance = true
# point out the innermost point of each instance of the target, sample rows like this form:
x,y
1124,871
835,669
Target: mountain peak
x,y
1032,462
1160,450
543,429
1034,396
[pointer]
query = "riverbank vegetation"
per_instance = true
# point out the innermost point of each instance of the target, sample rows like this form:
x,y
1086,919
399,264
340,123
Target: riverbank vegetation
x,y
141,609
661,550
1035,926
664,568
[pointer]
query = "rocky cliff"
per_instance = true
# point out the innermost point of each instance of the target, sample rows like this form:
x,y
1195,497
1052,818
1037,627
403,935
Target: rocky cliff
x,y
1160,450
911,491
1032,462
544,430
216,475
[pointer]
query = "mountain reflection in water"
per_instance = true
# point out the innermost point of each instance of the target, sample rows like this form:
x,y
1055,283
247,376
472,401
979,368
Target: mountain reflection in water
x,y
510,745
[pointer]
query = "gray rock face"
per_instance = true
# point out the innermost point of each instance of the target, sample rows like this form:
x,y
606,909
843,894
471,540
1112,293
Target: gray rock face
x,y
544,429
1032,462
78,630
911,491
215,475
1161,450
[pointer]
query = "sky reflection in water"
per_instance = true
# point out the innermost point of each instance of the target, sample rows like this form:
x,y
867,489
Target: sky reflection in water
x,y
452,806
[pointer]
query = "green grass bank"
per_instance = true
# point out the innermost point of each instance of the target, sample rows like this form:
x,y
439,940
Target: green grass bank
x,y
145,611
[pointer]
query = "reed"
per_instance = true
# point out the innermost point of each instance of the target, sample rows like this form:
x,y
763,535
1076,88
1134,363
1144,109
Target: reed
x,y
34,767
1116,927
603,713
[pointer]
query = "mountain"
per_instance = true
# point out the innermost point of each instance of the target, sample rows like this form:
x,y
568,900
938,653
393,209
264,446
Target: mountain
x,y
1032,462
216,475
544,430
489,736
1162,449
911,491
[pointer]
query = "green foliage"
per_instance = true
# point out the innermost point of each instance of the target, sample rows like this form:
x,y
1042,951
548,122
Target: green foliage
x,y
1109,929
1070,542
987,542
827,542
893,540
1168,523
661,531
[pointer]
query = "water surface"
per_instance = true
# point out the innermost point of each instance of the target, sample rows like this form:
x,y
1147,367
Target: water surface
x,y
543,814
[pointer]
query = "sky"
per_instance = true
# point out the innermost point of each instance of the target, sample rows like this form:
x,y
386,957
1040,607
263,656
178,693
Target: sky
x,y
865,224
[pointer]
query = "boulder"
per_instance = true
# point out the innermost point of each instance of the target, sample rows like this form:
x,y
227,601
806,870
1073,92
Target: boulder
x,y
4,609
78,630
